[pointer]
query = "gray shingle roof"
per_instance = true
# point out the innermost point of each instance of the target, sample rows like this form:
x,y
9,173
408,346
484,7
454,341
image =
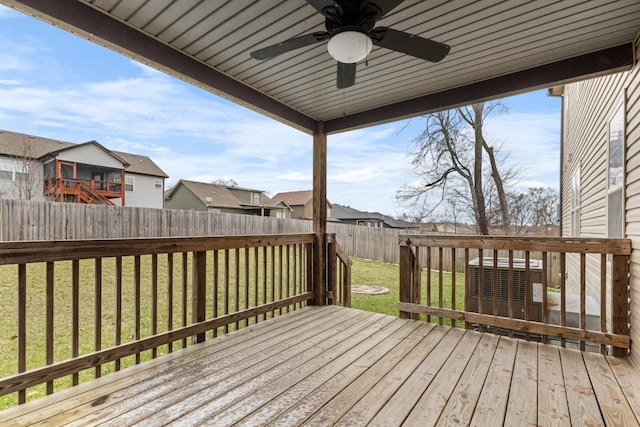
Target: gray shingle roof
x,y
221,195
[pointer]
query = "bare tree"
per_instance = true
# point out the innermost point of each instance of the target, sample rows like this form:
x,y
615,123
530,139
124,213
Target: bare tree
x,y
226,182
450,156
538,207
27,179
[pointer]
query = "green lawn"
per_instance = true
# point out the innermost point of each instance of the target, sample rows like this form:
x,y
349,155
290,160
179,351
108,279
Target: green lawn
x,y
367,272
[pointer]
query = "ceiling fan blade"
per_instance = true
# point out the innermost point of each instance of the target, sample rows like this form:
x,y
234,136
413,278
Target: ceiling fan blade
x,y
385,6
409,44
346,75
321,4
288,45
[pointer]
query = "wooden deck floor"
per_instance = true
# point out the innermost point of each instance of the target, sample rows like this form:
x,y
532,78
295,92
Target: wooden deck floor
x,y
336,366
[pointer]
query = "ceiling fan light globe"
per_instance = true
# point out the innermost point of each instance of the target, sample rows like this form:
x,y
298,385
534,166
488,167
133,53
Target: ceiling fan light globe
x,y
349,47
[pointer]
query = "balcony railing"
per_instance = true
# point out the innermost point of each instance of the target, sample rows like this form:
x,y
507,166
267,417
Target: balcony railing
x,y
80,309
565,291
74,187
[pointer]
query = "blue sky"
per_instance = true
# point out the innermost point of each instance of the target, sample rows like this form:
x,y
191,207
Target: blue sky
x,y
56,85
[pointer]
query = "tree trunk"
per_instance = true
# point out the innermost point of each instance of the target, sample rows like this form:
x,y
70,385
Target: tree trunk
x,y
477,190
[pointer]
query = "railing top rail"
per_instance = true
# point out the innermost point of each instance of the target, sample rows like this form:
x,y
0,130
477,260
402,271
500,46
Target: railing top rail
x,y
544,244
20,252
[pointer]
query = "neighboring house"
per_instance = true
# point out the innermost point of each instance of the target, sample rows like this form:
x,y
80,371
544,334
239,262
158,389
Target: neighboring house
x,y
193,195
38,168
600,169
349,215
301,202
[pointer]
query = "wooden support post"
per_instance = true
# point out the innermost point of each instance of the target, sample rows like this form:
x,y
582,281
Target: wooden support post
x,y
319,213
409,284
620,300
199,290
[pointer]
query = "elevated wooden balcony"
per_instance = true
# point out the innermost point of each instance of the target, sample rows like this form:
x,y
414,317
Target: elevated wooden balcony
x,y
83,190
232,330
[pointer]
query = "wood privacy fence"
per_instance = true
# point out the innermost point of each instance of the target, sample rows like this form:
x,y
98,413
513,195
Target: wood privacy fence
x,y
29,220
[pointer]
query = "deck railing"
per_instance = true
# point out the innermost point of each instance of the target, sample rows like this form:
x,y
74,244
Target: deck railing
x,y
338,274
587,303
75,310
73,187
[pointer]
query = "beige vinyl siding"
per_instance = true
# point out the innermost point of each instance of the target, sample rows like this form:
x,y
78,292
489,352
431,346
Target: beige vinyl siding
x,y
588,109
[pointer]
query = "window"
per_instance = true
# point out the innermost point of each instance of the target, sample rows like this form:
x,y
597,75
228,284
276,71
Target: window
x,y
14,170
255,198
157,183
6,170
615,178
575,204
128,183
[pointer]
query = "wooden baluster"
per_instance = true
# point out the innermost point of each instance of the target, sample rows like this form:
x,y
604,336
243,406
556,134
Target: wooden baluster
x,y
225,309
583,295
511,289
563,294
544,294
154,301
603,298
527,290
280,267
118,313
495,278
136,299
440,283
50,278
216,287
480,285
273,278
199,291
264,279
75,313
289,277
428,284
97,344
22,326
453,283
256,270
467,286
185,286
331,271
246,283
236,267
170,298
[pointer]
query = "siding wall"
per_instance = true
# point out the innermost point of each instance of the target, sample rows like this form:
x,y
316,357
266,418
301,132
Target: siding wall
x,y
588,107
145,194
90,155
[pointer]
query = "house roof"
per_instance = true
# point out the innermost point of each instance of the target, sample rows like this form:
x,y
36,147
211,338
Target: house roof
x,y
221,195
348,213
497,49
296,198
22,145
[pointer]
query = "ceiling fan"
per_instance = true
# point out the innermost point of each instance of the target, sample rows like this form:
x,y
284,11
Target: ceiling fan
x,y
351,32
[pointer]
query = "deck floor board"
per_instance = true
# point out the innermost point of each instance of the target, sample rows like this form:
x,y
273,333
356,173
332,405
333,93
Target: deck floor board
x,y
337,366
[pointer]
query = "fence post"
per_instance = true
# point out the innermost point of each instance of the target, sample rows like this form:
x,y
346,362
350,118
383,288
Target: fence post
x,y
199,290
620,300
409,284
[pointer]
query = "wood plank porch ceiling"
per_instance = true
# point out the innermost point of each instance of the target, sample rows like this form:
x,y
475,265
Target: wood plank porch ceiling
x,y
497,48
337,366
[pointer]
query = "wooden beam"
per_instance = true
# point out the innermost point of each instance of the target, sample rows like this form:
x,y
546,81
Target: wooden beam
x,y
81,19
319,212
606,61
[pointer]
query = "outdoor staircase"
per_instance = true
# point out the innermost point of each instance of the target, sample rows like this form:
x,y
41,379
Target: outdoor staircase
x,y
91,196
